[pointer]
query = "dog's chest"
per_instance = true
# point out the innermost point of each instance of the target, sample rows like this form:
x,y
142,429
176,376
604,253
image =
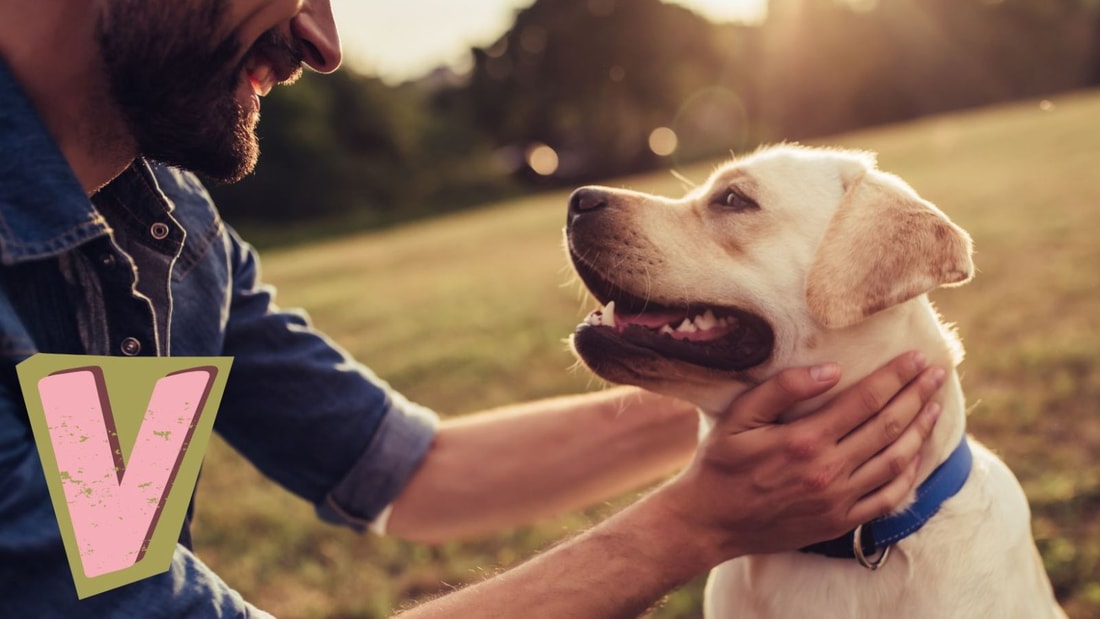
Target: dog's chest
x,y
793,586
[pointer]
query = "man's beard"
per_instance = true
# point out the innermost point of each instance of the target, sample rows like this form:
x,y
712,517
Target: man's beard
x,y
175,85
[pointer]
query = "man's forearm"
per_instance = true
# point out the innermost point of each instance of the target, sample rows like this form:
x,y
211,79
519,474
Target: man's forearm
x,y
515,465
753,487
617,569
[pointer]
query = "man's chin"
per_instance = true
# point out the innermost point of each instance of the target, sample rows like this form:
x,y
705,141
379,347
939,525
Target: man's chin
x,y
234,170
223,159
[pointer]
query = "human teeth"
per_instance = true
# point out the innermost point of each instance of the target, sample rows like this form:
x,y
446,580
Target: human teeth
x,y
687,326
707,321
609,314
262,78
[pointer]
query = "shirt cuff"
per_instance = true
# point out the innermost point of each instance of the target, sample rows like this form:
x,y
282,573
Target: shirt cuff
x,y
399,445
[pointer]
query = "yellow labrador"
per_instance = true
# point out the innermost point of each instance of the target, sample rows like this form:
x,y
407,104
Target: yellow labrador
x,y
790,257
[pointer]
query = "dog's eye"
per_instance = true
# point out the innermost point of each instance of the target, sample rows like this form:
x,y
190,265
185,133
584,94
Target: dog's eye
x,y
732,199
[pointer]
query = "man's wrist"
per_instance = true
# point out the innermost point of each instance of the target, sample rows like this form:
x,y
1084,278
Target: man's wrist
x,y
688,543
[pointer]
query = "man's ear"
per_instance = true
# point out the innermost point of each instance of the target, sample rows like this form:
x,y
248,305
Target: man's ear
x,y
884,245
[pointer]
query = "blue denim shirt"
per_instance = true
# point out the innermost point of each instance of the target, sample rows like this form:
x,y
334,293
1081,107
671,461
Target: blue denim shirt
x,y
147,267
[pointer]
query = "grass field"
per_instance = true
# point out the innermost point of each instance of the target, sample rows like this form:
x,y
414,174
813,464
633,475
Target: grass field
x,y
470,311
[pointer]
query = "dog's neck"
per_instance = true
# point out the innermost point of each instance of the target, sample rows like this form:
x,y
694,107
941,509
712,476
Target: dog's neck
x,y
914,325
862,349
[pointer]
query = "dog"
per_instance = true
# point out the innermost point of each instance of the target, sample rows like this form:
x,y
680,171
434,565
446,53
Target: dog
x,y
794,256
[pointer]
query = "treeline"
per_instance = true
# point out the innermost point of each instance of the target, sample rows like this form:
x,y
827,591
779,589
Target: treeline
x,y
577,88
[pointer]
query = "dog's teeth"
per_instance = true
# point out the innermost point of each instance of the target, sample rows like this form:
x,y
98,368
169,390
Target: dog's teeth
x,y
609,314
687,326
667,330
594,319
707,321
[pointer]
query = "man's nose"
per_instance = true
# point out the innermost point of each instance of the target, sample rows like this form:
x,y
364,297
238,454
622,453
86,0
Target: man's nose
x,y
315,28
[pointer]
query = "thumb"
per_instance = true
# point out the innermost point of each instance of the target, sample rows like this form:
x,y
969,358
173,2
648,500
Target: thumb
x,y
765,403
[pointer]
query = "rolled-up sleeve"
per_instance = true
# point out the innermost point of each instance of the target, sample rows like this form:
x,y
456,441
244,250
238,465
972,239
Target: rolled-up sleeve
x,y
307,414
381,472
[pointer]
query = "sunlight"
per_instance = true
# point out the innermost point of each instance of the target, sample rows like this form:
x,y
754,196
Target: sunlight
x,y
752,11
405,40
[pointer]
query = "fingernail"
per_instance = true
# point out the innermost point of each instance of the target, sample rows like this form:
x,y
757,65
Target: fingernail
x,y
825,372
938,376
918,360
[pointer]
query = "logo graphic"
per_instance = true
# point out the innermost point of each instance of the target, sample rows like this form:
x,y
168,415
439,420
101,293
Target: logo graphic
x,y
121,442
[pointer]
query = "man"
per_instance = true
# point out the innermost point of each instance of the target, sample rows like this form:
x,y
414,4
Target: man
x,y
103,253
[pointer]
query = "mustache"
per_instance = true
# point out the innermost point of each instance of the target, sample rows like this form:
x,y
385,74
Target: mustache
x,y
285,55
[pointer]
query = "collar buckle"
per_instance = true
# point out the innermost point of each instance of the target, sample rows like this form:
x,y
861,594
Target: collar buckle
x,y
876,560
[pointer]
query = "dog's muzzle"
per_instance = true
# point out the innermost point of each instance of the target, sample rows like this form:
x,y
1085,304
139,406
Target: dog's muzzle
x,y
635,322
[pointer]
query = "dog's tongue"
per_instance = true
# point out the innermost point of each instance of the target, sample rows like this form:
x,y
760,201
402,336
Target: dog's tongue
x,y
678,325
655,320
607,316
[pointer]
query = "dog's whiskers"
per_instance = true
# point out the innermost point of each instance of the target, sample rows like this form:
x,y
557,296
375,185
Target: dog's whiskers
x,y
685,181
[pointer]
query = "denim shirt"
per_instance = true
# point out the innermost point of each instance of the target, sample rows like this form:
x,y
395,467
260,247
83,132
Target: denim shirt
x,y
147,267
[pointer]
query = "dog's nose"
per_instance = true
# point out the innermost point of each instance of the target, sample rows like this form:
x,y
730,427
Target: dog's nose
x,y
586,200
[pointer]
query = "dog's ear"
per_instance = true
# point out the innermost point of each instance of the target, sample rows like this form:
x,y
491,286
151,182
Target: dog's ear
x,y
884,245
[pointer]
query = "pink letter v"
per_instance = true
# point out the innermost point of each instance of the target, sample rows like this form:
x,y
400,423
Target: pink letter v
x,y
114,505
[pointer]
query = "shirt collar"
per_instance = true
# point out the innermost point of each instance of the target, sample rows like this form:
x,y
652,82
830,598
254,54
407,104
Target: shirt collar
x,y
43,208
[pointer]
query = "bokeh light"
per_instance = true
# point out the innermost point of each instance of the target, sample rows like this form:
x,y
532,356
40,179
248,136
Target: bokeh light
x,y
663,141
542,159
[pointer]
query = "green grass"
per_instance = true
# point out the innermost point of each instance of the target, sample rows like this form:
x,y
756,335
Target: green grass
x,y
471,310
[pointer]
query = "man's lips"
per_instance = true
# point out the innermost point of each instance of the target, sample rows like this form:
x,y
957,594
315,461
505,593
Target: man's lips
x,y
272,60
261,76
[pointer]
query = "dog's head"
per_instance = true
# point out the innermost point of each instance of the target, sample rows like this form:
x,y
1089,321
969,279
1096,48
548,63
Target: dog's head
x,y
709,294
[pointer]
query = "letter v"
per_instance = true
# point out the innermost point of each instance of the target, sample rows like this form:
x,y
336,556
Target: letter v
x,y
114,505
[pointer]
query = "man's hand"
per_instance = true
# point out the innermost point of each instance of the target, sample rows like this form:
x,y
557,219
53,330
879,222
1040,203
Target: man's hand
x,y
756,486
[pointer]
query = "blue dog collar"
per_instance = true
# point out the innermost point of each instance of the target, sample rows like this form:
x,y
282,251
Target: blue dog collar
x,y
876,537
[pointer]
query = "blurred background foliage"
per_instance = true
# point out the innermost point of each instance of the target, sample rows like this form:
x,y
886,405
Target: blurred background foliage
x,y
576,88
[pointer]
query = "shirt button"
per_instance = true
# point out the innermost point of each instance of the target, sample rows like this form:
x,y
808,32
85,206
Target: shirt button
x,y
159,231
130,347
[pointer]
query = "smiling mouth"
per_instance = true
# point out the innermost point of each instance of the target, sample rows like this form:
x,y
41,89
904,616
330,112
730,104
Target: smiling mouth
x,y
709,335
272,60
261,77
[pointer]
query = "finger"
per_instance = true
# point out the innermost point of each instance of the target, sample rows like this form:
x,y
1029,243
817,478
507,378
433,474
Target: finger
x,y
764,404
863,400
884,500
892,462
883,429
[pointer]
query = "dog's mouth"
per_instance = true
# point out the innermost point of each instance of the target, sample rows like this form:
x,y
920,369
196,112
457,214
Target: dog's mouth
x,y
712,336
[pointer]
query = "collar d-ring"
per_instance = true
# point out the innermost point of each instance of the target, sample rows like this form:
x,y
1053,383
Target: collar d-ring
x,y
877,560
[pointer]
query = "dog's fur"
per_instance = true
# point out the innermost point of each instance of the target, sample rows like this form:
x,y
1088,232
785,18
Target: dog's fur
x,y
835,257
